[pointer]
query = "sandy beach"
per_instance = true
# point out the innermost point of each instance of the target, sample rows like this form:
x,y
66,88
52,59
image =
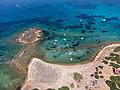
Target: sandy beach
x,y
43,75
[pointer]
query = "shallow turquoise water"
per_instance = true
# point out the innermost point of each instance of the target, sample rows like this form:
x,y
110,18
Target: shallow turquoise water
x,y
73,25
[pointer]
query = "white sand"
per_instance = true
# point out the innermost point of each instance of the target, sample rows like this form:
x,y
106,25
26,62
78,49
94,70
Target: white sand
x,y
43,75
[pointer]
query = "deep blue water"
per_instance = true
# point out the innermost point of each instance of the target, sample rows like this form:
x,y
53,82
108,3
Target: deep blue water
x,y
74,27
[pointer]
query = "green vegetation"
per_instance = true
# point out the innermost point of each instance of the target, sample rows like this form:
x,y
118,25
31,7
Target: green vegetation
x,y
112,54
105,62
101,67
101,76
77,77
115,58
118,61
114,65
92,75
116,79
110,83
50,89
117,49
96,76
64,88
35,89
100,72
96,72
114,82
108,58
96,68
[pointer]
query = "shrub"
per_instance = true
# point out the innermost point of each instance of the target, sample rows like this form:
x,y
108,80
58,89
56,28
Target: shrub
x,y
114,65
101,76
50,89
101,67
100,72
96,76
105,62
92,75
64,88
110,83
115,58
118,85
96,72
117,49
116,79
35,89
112,54
118,61
96,68
108,58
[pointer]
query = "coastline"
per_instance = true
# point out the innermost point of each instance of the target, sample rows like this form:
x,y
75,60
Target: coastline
x,y
96,59
91,59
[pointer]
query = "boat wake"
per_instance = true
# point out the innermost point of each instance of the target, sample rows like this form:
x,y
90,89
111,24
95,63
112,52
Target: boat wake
x,y
18,6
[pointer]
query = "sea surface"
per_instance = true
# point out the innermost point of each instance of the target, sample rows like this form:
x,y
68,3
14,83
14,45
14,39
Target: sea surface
x,y
73,30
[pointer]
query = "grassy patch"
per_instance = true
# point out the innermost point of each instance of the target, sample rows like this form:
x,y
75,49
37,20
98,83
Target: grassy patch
x,y
77,77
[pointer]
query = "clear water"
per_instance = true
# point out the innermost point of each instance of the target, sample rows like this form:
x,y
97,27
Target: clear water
x,y
73,29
